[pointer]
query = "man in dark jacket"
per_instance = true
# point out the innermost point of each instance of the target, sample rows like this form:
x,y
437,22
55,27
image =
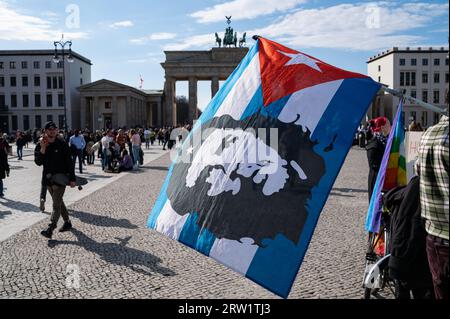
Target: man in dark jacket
x,y
54,154
408,264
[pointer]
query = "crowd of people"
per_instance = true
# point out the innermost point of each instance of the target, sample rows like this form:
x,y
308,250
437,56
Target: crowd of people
x,y
419,224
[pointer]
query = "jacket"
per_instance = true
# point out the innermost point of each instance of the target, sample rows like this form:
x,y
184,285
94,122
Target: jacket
x,y
56,160
408,259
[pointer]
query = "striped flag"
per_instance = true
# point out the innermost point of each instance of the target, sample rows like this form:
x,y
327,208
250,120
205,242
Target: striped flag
x,y
392,171
272,142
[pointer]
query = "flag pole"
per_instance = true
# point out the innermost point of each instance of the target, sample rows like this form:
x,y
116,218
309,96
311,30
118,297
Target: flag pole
x,y
421,103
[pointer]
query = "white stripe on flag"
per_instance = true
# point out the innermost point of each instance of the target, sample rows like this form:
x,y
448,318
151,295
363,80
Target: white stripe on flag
x,y
309,104
242,92
169,222
236,255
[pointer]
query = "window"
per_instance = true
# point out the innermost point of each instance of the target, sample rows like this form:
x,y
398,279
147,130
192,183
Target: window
x,y
81,81
402,78
436,97
38,121
61,120
12,65
402,62
2,81
413,78
24,65
49,100
407,81
25,100
2,100
424,61
107,105
413,61
61,100
413,93
424,77
55,82
13,100
49,82
49,117
60,82
13,81
37,100
446,78
413,115
1,65
424,119
26,122
437,61
36,65
60,65
446,62
436,78
379,68
436,118
48,64
425,96
81,70
37,80
14,122
24,81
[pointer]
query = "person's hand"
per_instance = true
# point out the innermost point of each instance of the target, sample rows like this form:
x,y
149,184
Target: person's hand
x,y
44,144
7,173
72,184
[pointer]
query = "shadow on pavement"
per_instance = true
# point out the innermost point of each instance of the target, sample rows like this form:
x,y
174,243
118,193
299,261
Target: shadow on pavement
x,y
118,254
156,168
21,206
103,221
5,213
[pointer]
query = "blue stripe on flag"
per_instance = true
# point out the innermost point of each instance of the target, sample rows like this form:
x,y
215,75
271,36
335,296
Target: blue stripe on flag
x,y
192,236
276,266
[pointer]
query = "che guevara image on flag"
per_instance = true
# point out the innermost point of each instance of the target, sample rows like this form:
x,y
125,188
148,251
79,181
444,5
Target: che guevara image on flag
x,y
248,184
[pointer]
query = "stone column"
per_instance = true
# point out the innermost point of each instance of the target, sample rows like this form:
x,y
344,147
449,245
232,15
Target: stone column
x,y
193,112
128,112
83,114
159,110
115,113
214,86
170,106
96,113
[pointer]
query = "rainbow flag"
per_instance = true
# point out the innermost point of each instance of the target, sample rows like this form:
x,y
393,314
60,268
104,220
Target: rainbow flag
x,y
392,171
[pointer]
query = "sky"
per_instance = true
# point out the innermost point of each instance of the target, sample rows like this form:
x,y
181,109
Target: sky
x,y
127,39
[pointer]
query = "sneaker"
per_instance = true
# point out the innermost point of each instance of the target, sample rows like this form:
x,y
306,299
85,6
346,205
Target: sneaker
x,y
42,205
48,232
66,227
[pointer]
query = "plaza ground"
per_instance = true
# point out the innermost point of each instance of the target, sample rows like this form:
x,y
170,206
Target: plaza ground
x,y
114,255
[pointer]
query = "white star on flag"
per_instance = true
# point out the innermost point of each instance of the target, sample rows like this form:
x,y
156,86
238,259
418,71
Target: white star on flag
x,y
298,58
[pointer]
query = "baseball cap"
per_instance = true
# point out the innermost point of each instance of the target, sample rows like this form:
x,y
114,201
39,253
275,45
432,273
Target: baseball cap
x,y
50,125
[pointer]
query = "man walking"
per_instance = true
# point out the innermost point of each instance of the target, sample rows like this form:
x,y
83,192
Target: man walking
x,y
54,155
77,143
433,169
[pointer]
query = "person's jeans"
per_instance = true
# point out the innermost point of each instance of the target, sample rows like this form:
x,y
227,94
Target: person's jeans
x,y
136,149
19,152
59,208
437,251
78,155
1,186
43,195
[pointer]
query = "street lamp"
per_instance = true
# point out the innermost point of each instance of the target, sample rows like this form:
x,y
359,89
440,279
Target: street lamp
x,y
56,60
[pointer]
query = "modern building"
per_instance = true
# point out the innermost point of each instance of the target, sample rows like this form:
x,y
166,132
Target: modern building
x,y
419,72
32,89
106,104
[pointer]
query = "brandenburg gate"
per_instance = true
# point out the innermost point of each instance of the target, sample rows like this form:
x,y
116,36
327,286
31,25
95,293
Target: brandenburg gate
x,y
215,65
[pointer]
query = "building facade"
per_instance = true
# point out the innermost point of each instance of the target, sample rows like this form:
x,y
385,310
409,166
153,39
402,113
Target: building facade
x,y
106,104
32,89
422,73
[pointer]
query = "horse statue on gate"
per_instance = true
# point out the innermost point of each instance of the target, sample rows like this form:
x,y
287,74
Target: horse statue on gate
x,y
242,40
218,40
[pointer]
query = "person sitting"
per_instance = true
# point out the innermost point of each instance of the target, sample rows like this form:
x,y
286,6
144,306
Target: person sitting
x,y
126,163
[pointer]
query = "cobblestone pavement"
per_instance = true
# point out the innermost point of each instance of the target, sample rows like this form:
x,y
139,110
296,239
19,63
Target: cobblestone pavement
x,y
114,255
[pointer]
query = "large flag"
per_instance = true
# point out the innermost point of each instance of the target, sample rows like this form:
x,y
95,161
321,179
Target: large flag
x,y
392,171
272,142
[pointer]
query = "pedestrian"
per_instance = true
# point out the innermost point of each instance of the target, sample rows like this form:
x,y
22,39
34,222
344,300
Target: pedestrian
x,y
20,143
379,129
135,147
433,168
4,166
126,162
77,143
54,155
147,134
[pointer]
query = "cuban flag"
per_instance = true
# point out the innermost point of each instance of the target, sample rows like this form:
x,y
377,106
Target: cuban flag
x,y
248,184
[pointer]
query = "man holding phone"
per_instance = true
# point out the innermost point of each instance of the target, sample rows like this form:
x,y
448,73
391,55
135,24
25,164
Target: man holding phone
x,y
54,155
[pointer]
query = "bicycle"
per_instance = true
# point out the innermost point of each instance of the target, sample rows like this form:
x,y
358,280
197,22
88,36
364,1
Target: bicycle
x,y
376,274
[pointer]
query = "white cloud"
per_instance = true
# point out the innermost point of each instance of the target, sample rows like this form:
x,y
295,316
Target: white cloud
x,y
243,9
154,37
203,41
354,26
121,24
17,26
